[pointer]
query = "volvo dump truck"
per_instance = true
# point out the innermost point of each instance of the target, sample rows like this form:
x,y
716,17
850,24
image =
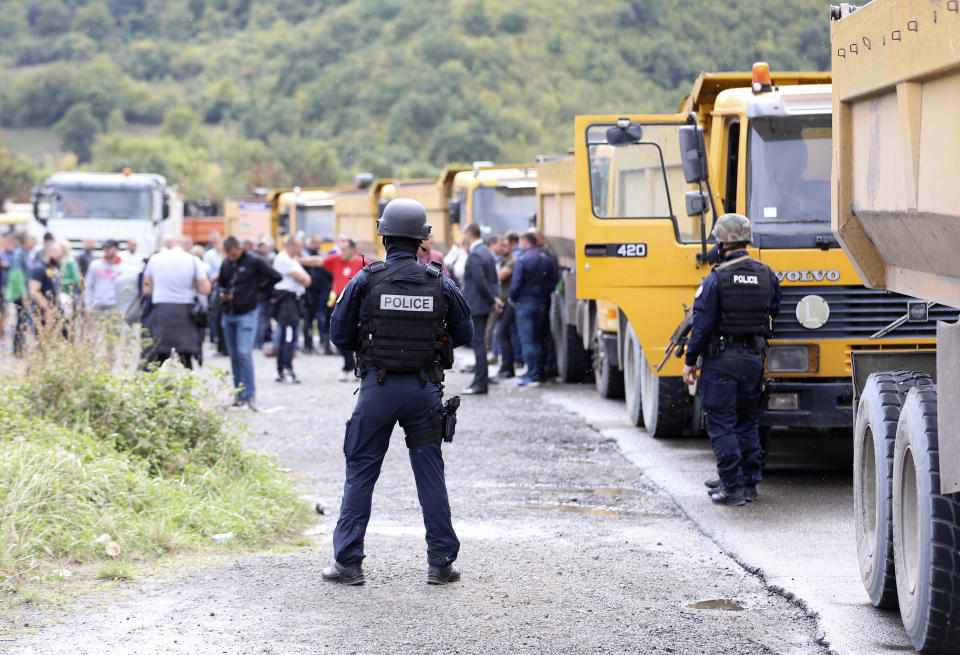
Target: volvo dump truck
x,y
767,146
896,212
120,206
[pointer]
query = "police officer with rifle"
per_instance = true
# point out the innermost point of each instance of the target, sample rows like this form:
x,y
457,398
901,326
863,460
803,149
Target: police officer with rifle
x,y
732,319
403,319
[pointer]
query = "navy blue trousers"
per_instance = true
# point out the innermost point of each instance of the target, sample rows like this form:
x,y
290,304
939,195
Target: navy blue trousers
x,y
379,408
729,392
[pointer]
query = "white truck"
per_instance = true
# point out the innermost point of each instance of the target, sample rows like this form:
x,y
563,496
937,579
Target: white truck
x,y
896,212
121,206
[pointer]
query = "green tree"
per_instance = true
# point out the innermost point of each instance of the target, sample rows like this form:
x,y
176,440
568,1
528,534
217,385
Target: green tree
x,y
52,17
17,175
95,20
77,130
14,23
182,123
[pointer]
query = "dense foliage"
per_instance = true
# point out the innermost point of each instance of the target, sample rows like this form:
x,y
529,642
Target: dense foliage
x,y
106,465
241,93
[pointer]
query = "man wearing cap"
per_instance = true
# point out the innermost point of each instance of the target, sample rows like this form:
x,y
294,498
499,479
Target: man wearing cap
x,y
99,297
732,320
403,319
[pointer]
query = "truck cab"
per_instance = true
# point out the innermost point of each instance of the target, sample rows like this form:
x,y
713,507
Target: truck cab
x,y
498,198
767,142
105,206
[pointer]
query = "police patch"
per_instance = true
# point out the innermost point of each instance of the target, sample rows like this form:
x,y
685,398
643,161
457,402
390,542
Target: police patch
x,y
402,303
745,279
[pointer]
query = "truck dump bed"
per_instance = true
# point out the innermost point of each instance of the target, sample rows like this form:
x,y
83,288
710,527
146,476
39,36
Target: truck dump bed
x,y
896,140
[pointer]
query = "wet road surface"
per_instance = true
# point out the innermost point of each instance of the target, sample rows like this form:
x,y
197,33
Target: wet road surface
x,y
799,536
567,548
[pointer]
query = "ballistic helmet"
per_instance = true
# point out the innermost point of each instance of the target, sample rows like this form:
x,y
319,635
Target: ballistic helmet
x,y
733,228
404,217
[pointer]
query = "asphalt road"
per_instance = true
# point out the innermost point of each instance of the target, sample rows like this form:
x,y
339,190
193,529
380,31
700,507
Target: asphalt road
x,y
568,547
799,536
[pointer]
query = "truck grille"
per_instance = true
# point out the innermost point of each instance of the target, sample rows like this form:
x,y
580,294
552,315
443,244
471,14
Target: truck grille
x,y
855,313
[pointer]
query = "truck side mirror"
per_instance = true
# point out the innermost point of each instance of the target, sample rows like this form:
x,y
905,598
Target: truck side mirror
x,y
698,203
165,211
625,133
454,211
693,153
283,223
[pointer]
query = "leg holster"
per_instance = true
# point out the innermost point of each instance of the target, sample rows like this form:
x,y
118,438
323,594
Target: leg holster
x,y
439,427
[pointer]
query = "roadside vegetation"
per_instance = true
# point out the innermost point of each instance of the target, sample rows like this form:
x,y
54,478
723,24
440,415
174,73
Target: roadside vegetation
x,y
226,95
106,467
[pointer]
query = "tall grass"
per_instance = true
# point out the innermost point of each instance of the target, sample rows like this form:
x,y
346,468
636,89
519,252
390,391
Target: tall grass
x,y
101,462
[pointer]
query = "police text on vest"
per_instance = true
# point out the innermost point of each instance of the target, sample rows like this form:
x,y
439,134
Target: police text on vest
x,y
406,303
745,279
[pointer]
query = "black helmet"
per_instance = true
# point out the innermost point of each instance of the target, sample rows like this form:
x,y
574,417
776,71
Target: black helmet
x,y
404,217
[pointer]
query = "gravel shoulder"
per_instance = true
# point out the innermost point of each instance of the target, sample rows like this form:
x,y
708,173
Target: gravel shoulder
x,y
567,548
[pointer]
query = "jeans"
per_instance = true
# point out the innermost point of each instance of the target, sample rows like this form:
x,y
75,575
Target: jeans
x,y
239,331
480,374
505,330
532,322
263,331
287,343
316,309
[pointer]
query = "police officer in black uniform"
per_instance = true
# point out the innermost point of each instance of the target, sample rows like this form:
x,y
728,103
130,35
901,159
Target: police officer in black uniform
x,y
403,319
732,314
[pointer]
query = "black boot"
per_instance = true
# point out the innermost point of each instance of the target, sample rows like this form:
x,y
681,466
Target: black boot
x,y
348,574
712,484
728,496
443,574
750,493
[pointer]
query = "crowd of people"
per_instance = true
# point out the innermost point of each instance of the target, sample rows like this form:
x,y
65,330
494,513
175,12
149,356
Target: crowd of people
x,y
248,295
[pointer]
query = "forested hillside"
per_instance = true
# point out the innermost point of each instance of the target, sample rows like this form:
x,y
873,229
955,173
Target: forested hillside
x,y
223,95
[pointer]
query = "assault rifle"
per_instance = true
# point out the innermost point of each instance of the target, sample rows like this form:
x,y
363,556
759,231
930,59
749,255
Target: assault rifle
x,y
678,340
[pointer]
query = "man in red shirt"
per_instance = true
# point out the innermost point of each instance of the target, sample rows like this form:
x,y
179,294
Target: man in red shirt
x,y
343,266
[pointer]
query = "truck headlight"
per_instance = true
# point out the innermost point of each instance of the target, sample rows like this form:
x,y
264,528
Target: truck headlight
x,y
803,358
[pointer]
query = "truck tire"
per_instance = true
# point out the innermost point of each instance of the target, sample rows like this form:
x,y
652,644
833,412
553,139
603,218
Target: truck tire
x,y
632,356
926,531
572,359
608,378
665,401
874,435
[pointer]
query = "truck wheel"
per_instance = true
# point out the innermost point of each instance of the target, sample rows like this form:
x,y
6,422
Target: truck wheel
x,y
874,435
572,359
608,378
665,402
926,531
632,356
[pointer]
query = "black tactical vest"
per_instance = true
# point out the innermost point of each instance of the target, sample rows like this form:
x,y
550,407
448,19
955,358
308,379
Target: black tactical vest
x,y
405,306
746,293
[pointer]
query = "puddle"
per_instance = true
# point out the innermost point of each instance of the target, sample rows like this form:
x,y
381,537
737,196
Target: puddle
x,y
725,605
606,491
577,509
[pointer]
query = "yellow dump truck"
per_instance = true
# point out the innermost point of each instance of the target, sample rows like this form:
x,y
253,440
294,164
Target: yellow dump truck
x,y
767,143
498,198
247,218
896,212
307,211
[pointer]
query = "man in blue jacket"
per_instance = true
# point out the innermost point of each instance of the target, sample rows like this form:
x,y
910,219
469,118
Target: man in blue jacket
x,y
534,279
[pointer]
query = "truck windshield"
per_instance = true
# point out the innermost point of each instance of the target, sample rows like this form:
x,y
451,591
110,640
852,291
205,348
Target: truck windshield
x,y
788,180
501,209
100,203
315,221
640,180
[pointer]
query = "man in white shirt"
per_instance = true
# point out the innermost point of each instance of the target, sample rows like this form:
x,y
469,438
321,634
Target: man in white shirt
x,y
286,308
129,256
175,281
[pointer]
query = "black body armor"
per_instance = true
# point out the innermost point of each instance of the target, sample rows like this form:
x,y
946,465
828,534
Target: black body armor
x,y
405,328
746,293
